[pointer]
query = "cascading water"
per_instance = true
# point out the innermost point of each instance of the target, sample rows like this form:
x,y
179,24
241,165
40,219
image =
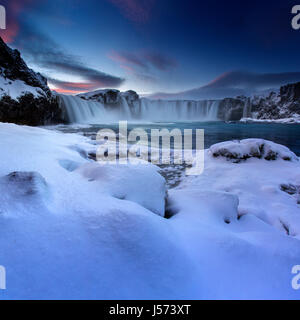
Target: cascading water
x,y
247,109
78,110
179,110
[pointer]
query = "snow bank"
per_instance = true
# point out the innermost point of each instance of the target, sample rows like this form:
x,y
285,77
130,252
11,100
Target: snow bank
x,y
295,119
140,183
266,189
65,236
72,229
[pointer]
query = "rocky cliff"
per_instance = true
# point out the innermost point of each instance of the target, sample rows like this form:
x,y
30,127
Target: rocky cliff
x,y
25,97
281,105
284,104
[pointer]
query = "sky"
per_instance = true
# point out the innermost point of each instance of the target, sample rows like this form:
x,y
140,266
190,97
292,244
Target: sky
x,y
152,45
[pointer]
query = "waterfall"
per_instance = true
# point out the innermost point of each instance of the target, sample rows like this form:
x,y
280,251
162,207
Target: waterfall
x,y
78,110
247,109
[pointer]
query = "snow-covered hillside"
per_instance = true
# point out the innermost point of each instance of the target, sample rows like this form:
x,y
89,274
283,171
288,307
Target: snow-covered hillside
x,y
71,228
16,77
18,88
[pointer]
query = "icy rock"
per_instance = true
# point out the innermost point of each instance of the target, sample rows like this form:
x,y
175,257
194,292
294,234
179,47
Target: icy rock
x,y
25,183
290,189
237,151
141,184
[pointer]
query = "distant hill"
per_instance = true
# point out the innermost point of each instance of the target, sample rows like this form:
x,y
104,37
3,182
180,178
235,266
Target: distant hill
x,y
233,84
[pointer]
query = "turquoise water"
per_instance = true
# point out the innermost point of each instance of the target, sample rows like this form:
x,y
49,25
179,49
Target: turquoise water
x,y
214,132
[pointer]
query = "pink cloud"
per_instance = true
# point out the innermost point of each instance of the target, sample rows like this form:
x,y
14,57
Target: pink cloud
x,y
13,10
66,87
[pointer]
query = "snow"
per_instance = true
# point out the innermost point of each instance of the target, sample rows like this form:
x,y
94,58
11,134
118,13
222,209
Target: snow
x,y
248,148
121,182
294,119
258,183
17,88
74,229
245,227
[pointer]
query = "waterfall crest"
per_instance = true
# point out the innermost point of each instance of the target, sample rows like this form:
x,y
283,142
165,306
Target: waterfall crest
x,y
78,110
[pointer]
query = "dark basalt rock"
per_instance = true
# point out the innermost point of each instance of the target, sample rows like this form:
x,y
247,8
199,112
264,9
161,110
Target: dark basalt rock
x,y
28,110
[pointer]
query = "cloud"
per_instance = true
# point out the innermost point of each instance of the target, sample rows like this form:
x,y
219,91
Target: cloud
x,y
42,51
14,8
143,64
145,60
125,58
159,61
138,11
47,54
73,87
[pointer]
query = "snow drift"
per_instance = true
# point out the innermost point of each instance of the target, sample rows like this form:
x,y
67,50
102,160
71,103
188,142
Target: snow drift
x,y
72,229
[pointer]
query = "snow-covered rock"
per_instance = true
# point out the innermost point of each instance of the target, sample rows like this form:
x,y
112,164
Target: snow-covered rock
x,y
17,88
111,97
263,187
25,97
281,105
14,68
251,148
